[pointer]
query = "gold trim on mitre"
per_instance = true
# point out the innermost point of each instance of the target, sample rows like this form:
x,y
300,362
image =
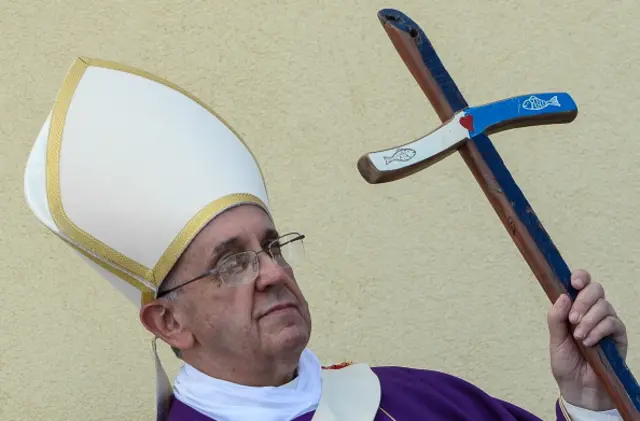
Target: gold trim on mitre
x,y
148,294
100,253
182,240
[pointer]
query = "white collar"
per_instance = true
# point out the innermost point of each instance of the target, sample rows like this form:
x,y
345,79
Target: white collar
x,y
226,401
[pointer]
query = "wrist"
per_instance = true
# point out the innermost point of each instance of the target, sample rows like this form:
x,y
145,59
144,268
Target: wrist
x,y
593,400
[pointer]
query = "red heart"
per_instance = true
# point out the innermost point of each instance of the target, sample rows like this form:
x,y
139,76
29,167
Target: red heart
x,y
467,122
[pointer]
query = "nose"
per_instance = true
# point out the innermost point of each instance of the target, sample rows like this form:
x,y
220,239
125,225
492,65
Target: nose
x,y
270,273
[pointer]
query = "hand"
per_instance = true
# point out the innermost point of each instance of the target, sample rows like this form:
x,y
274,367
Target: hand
x,y
593,318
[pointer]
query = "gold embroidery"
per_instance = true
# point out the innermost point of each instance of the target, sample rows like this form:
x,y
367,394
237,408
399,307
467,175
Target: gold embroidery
x,y
563,409
184,237
148,295
54,144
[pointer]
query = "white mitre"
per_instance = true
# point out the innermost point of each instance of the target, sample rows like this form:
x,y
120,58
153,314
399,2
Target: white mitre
x,y
128,168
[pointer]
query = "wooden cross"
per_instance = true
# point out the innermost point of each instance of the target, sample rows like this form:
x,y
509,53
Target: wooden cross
x,y
465,130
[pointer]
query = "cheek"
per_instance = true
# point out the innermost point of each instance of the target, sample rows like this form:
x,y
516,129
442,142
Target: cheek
x,y
204,312
295,289
224,310
297,292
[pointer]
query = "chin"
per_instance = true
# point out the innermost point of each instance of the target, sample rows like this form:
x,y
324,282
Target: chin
x,y
286,330
291,338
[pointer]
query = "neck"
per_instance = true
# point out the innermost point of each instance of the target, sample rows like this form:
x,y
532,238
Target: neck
x,y
271,372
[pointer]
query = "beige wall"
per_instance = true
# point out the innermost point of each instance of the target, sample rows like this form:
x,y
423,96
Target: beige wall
x,y
419,272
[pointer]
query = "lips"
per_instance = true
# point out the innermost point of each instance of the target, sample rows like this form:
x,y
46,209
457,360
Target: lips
x,y
278,307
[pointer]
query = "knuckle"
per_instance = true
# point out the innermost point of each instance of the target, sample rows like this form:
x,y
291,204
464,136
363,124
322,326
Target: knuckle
x,y
611,325
619,324
598,288
591,294
610,309
603,304
582,302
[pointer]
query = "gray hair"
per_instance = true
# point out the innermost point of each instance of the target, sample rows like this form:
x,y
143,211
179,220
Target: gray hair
x,y
169,283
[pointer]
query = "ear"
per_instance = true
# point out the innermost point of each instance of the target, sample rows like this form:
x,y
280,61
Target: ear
x,y
164,320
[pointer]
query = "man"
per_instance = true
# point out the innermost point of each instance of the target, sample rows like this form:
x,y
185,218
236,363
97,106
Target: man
x,y
163,198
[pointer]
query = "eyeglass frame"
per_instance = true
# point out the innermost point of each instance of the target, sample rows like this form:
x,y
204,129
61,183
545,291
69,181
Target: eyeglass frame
x,y
212,272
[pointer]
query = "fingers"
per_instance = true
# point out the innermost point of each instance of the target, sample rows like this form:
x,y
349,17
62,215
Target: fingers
x,y
580,278
557,321
586,299
591,315
597,316
609,326
559,314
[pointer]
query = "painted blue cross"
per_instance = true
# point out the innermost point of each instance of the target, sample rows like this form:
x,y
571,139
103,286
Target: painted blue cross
x,y
466,130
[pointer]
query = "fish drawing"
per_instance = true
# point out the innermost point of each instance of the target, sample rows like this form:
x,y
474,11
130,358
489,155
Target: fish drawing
x,y
533,103
400,155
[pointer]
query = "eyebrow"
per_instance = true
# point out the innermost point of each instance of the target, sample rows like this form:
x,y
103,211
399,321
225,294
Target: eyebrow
x,y
225,246
270,234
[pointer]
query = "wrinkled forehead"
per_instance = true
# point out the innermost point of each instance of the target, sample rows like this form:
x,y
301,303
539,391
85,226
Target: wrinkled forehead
x,y
245,225
246,222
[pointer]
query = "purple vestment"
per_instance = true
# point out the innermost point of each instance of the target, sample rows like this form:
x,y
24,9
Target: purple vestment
x,y
410,394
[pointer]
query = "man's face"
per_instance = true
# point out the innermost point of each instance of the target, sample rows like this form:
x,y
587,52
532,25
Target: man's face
x,y
236,323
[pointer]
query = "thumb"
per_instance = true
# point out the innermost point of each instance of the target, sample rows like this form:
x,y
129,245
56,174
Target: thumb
x,y
558,321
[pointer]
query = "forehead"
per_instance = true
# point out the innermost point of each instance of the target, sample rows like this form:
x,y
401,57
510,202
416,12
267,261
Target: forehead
x,y
245,221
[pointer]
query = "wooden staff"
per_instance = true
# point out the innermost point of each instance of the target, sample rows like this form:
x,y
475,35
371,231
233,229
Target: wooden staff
x,y
489,170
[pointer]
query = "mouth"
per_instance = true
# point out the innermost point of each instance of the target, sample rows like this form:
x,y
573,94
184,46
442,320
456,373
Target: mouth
x,y
278,308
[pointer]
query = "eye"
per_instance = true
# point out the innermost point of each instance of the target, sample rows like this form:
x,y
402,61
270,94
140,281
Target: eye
x,y
271,241
235,263
276,249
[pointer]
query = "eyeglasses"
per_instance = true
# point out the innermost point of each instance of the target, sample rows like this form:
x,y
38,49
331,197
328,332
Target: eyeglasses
x,y
244,267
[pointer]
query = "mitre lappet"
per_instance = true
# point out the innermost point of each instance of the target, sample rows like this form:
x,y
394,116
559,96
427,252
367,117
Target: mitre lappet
x,y
127,169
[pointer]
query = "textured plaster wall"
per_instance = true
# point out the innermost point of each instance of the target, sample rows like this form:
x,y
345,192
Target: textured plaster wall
x,y
419,272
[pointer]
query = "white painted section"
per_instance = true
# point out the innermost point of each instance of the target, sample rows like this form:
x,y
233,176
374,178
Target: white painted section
x,y
426,147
